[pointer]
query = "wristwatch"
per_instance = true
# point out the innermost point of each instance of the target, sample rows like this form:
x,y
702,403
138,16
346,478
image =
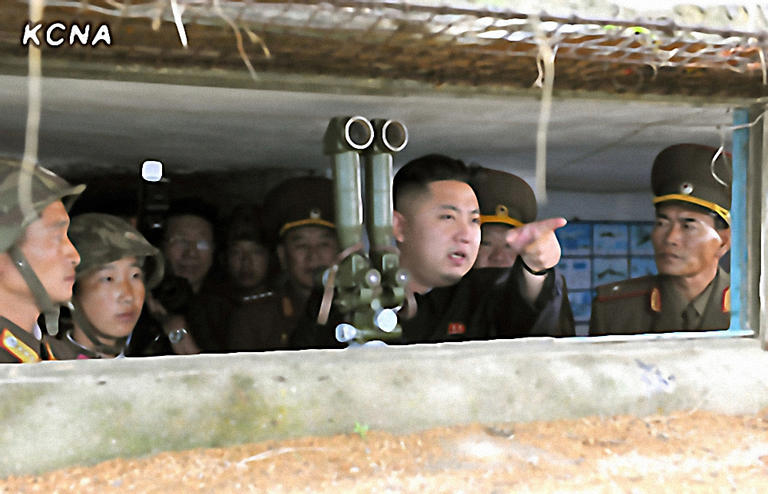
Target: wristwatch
x,y
177,335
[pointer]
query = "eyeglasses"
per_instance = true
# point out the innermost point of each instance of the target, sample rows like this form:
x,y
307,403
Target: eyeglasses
x,y
182,243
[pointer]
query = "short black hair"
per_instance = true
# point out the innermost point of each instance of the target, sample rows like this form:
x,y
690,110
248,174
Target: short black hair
x,y
193,206
418,173
245,223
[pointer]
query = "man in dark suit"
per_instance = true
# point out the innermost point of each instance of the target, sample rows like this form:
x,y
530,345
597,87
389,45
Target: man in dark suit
x,y
436,224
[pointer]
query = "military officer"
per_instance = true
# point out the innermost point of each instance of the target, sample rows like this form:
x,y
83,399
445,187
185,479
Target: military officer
x,y
507,202
117,266
299,220
37,260
692,195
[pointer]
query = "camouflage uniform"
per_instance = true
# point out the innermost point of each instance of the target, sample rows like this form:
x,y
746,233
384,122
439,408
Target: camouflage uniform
x,y
685,174
101,239
45,188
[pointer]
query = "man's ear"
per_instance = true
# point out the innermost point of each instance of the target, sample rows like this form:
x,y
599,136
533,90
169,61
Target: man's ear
x,y
398,226
725,241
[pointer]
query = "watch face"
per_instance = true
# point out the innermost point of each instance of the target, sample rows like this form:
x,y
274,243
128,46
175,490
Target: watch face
x,y
176,335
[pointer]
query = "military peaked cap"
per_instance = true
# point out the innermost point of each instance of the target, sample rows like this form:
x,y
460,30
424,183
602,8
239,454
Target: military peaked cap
x,y
695,174
245,223
503,197
299,202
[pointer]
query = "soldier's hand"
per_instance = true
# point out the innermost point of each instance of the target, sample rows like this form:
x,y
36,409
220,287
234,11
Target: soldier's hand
x,y
536,243
186,345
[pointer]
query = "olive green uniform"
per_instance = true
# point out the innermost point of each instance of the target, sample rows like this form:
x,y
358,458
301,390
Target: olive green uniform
x,y
694,176
267,321
19,347
264,321
651,304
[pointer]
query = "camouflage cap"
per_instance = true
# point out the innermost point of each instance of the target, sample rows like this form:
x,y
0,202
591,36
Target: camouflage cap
x,y
503,197
690,173
45,188
299,202
103,238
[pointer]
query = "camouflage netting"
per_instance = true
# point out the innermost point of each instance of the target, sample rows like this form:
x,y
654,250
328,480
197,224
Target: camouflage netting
x,y
599,46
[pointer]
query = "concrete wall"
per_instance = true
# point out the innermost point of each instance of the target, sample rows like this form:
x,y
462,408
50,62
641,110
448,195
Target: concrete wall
x,y
56,414
620,206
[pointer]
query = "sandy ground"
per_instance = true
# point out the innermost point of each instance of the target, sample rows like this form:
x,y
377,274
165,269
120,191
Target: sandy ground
x,y
677,453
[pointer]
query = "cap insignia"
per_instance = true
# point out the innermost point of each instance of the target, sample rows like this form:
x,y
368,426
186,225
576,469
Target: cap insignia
x,y
315,213
501,210
686,188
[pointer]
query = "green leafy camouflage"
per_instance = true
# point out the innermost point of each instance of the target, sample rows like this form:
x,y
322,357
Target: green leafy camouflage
x,y
103,238
46,187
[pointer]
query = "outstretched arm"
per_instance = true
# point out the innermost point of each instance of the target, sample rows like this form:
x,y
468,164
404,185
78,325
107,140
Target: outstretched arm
x,y
539,249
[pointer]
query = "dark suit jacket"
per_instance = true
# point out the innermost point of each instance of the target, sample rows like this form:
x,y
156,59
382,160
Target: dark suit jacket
x,y
485,304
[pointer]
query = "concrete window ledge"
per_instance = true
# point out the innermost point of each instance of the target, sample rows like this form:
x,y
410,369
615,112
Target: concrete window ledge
x,y
57,414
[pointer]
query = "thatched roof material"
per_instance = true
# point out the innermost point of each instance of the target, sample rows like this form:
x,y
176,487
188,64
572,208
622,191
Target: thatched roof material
x,y
600,46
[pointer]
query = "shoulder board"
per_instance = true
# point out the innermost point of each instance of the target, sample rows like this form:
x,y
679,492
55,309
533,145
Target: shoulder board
x,y
725,305
20,350
256,296
635,287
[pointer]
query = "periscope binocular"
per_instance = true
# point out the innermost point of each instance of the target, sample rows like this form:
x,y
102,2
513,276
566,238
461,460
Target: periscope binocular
x,y
366,288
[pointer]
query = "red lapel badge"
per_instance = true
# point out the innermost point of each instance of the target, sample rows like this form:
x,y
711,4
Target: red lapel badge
x,y
456,328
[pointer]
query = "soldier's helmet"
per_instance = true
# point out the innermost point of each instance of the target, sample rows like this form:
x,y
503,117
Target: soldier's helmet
x,y
504,197
296,202
694,174
34,188
103,238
